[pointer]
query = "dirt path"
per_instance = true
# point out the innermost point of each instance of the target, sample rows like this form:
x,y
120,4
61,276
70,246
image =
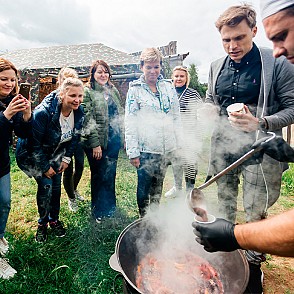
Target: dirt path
x,y
278,275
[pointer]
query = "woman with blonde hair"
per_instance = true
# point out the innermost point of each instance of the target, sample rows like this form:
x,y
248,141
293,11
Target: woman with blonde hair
x,y
57,125
15,115
72,175
190,101
152,127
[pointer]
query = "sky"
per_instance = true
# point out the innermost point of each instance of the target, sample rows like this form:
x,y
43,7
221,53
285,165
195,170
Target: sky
x,y
126,25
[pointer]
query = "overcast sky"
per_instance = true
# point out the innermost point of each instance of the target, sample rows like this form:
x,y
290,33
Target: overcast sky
x,y
126,25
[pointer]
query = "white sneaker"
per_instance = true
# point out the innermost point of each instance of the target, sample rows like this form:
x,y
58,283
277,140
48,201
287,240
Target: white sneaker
x,y
6,270
78,196
171,193
73,205
4,246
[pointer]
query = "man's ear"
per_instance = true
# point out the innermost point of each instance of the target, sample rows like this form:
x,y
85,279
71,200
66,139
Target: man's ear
x,y
254,31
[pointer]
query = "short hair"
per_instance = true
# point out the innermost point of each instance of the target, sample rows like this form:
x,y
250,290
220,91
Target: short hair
x,y
6,65
150,55
70,82
184,69
66,72
289,11
235,14
93,69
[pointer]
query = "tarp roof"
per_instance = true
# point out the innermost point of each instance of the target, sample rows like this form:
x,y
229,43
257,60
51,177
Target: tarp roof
x,y
68,55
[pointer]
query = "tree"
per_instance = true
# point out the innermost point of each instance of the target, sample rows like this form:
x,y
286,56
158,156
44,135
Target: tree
x,y
194,80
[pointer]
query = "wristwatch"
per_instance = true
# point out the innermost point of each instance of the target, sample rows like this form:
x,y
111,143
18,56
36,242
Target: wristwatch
x,y
262,124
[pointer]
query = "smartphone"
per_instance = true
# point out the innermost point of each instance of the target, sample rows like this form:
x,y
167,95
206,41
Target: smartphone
x,y
25,89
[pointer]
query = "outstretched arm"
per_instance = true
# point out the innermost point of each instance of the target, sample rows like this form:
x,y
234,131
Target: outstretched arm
x,y
274,235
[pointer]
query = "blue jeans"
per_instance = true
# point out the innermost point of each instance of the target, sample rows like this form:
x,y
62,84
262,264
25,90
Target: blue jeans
x,y
5,200
103,174
48,198
151,173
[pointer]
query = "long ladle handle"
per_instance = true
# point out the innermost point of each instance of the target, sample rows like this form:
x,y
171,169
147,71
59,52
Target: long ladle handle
x,y
236,163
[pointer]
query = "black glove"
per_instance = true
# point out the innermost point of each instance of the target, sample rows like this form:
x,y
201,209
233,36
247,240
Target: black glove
x,y
278,149
216,236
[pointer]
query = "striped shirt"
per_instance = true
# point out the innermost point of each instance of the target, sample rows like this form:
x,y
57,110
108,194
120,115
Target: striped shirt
x,y
190,101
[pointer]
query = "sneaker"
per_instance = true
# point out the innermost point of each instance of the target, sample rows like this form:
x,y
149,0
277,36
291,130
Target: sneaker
x,y
57,228
6,270
255,279
41,235
171,193
4,246
78,196
98,220
73,205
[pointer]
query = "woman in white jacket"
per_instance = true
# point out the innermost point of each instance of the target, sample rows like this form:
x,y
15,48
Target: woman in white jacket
x,y
152,127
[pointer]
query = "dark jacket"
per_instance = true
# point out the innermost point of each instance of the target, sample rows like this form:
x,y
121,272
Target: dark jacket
x,y
36,154
16,124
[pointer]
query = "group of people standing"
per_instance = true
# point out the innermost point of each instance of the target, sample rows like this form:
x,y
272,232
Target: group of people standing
x,y
52,139
161,124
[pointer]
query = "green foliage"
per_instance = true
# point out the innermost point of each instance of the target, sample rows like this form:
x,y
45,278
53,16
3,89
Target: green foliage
x,y
288,180
194,81
167,70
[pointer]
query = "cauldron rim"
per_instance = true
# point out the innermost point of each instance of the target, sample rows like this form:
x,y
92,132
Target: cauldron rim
x,y
116,257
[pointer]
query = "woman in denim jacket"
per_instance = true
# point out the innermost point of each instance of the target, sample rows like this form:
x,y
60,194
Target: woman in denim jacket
x,y
152,127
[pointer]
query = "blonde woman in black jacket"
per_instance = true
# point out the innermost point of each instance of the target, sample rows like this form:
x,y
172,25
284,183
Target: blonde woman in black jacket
x,y
15,114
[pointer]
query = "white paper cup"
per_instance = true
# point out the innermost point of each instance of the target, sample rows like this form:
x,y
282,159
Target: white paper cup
x,y
211,218
236,107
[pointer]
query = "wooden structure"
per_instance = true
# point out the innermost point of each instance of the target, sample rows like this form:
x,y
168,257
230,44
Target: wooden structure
x,y
40,66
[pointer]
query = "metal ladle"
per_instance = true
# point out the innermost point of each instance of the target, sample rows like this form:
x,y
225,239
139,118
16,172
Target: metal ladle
x,y
196,199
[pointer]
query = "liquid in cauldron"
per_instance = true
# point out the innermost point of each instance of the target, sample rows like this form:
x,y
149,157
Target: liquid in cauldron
x,y
185,273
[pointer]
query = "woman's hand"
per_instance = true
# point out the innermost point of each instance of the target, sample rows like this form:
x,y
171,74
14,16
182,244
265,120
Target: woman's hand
x,y
244,121
27,113
17,104
63,167
50,173
97,152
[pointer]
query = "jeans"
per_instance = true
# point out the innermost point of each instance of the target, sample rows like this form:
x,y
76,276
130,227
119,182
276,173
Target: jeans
x,y
151,173
5,201
72,176
103,174
48,198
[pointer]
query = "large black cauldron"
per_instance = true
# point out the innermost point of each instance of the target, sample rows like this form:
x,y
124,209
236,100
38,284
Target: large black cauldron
x,y
232,266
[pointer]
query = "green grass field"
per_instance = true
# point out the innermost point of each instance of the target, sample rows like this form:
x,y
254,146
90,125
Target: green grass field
x,y
78,263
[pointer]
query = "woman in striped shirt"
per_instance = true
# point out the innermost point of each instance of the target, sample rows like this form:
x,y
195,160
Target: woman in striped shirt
x,y
190,101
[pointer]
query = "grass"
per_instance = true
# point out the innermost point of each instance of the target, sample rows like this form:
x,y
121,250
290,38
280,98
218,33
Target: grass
x,y
78,263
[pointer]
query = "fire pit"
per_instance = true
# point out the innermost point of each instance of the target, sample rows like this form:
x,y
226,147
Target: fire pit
x,y
231,267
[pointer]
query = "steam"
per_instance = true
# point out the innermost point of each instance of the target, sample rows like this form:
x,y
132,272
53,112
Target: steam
x,y
173,238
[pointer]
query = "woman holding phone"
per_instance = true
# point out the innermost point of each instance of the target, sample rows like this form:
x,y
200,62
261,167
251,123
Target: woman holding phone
x,y
15,115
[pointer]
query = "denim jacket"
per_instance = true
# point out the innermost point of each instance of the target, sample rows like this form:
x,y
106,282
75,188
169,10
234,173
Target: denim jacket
x,y
152,124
